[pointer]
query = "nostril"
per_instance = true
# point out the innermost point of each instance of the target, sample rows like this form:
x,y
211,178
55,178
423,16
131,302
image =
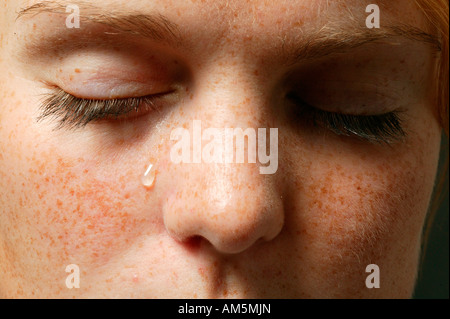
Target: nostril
x,y
192,243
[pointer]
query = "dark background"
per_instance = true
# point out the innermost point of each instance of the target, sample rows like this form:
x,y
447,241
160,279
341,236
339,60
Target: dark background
x,y
433,274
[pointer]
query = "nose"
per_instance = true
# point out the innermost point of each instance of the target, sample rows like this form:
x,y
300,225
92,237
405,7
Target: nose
x,y
230,206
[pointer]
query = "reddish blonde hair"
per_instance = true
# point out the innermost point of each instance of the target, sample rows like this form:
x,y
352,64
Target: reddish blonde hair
x,y
437,12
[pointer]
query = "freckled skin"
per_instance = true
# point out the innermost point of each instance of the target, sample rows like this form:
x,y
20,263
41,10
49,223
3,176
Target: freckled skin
x,y
335,205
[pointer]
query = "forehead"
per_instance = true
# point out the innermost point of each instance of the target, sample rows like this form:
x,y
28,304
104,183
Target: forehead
x,y
241,17
256,26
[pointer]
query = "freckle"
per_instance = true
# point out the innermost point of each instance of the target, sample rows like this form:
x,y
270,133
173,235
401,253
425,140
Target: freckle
x,y
77,71
201,271
71,78
121,142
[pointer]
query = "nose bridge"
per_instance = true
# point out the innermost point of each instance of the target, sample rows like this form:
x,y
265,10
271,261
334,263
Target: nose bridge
x,y
230,204
232,93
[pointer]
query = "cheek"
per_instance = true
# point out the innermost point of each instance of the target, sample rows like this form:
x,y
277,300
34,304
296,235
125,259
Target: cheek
x,y
90,214
379,224
61,210
357,211
68,199
359,208
88,218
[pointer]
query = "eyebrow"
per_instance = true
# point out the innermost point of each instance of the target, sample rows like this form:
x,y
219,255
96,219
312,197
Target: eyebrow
x,y
326,41
334,40
151,26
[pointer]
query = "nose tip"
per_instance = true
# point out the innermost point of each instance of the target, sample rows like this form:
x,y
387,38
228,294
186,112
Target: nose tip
x,y
230,220
235,236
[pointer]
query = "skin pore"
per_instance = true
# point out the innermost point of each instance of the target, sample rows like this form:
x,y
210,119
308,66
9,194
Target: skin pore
x,y
335,205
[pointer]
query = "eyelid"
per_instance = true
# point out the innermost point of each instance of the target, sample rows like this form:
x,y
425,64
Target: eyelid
x,y
110,89
104,83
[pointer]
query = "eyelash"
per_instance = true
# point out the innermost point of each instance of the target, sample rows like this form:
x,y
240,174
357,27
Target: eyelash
x,y
384,128
74,112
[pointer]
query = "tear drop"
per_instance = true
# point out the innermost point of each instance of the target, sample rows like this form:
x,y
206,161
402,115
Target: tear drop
x,y
148,179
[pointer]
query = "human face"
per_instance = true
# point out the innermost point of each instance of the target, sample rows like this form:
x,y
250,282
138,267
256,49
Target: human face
x,y
336,203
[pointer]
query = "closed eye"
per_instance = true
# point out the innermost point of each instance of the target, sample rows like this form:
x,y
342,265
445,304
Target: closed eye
x,y
74,112
381,128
